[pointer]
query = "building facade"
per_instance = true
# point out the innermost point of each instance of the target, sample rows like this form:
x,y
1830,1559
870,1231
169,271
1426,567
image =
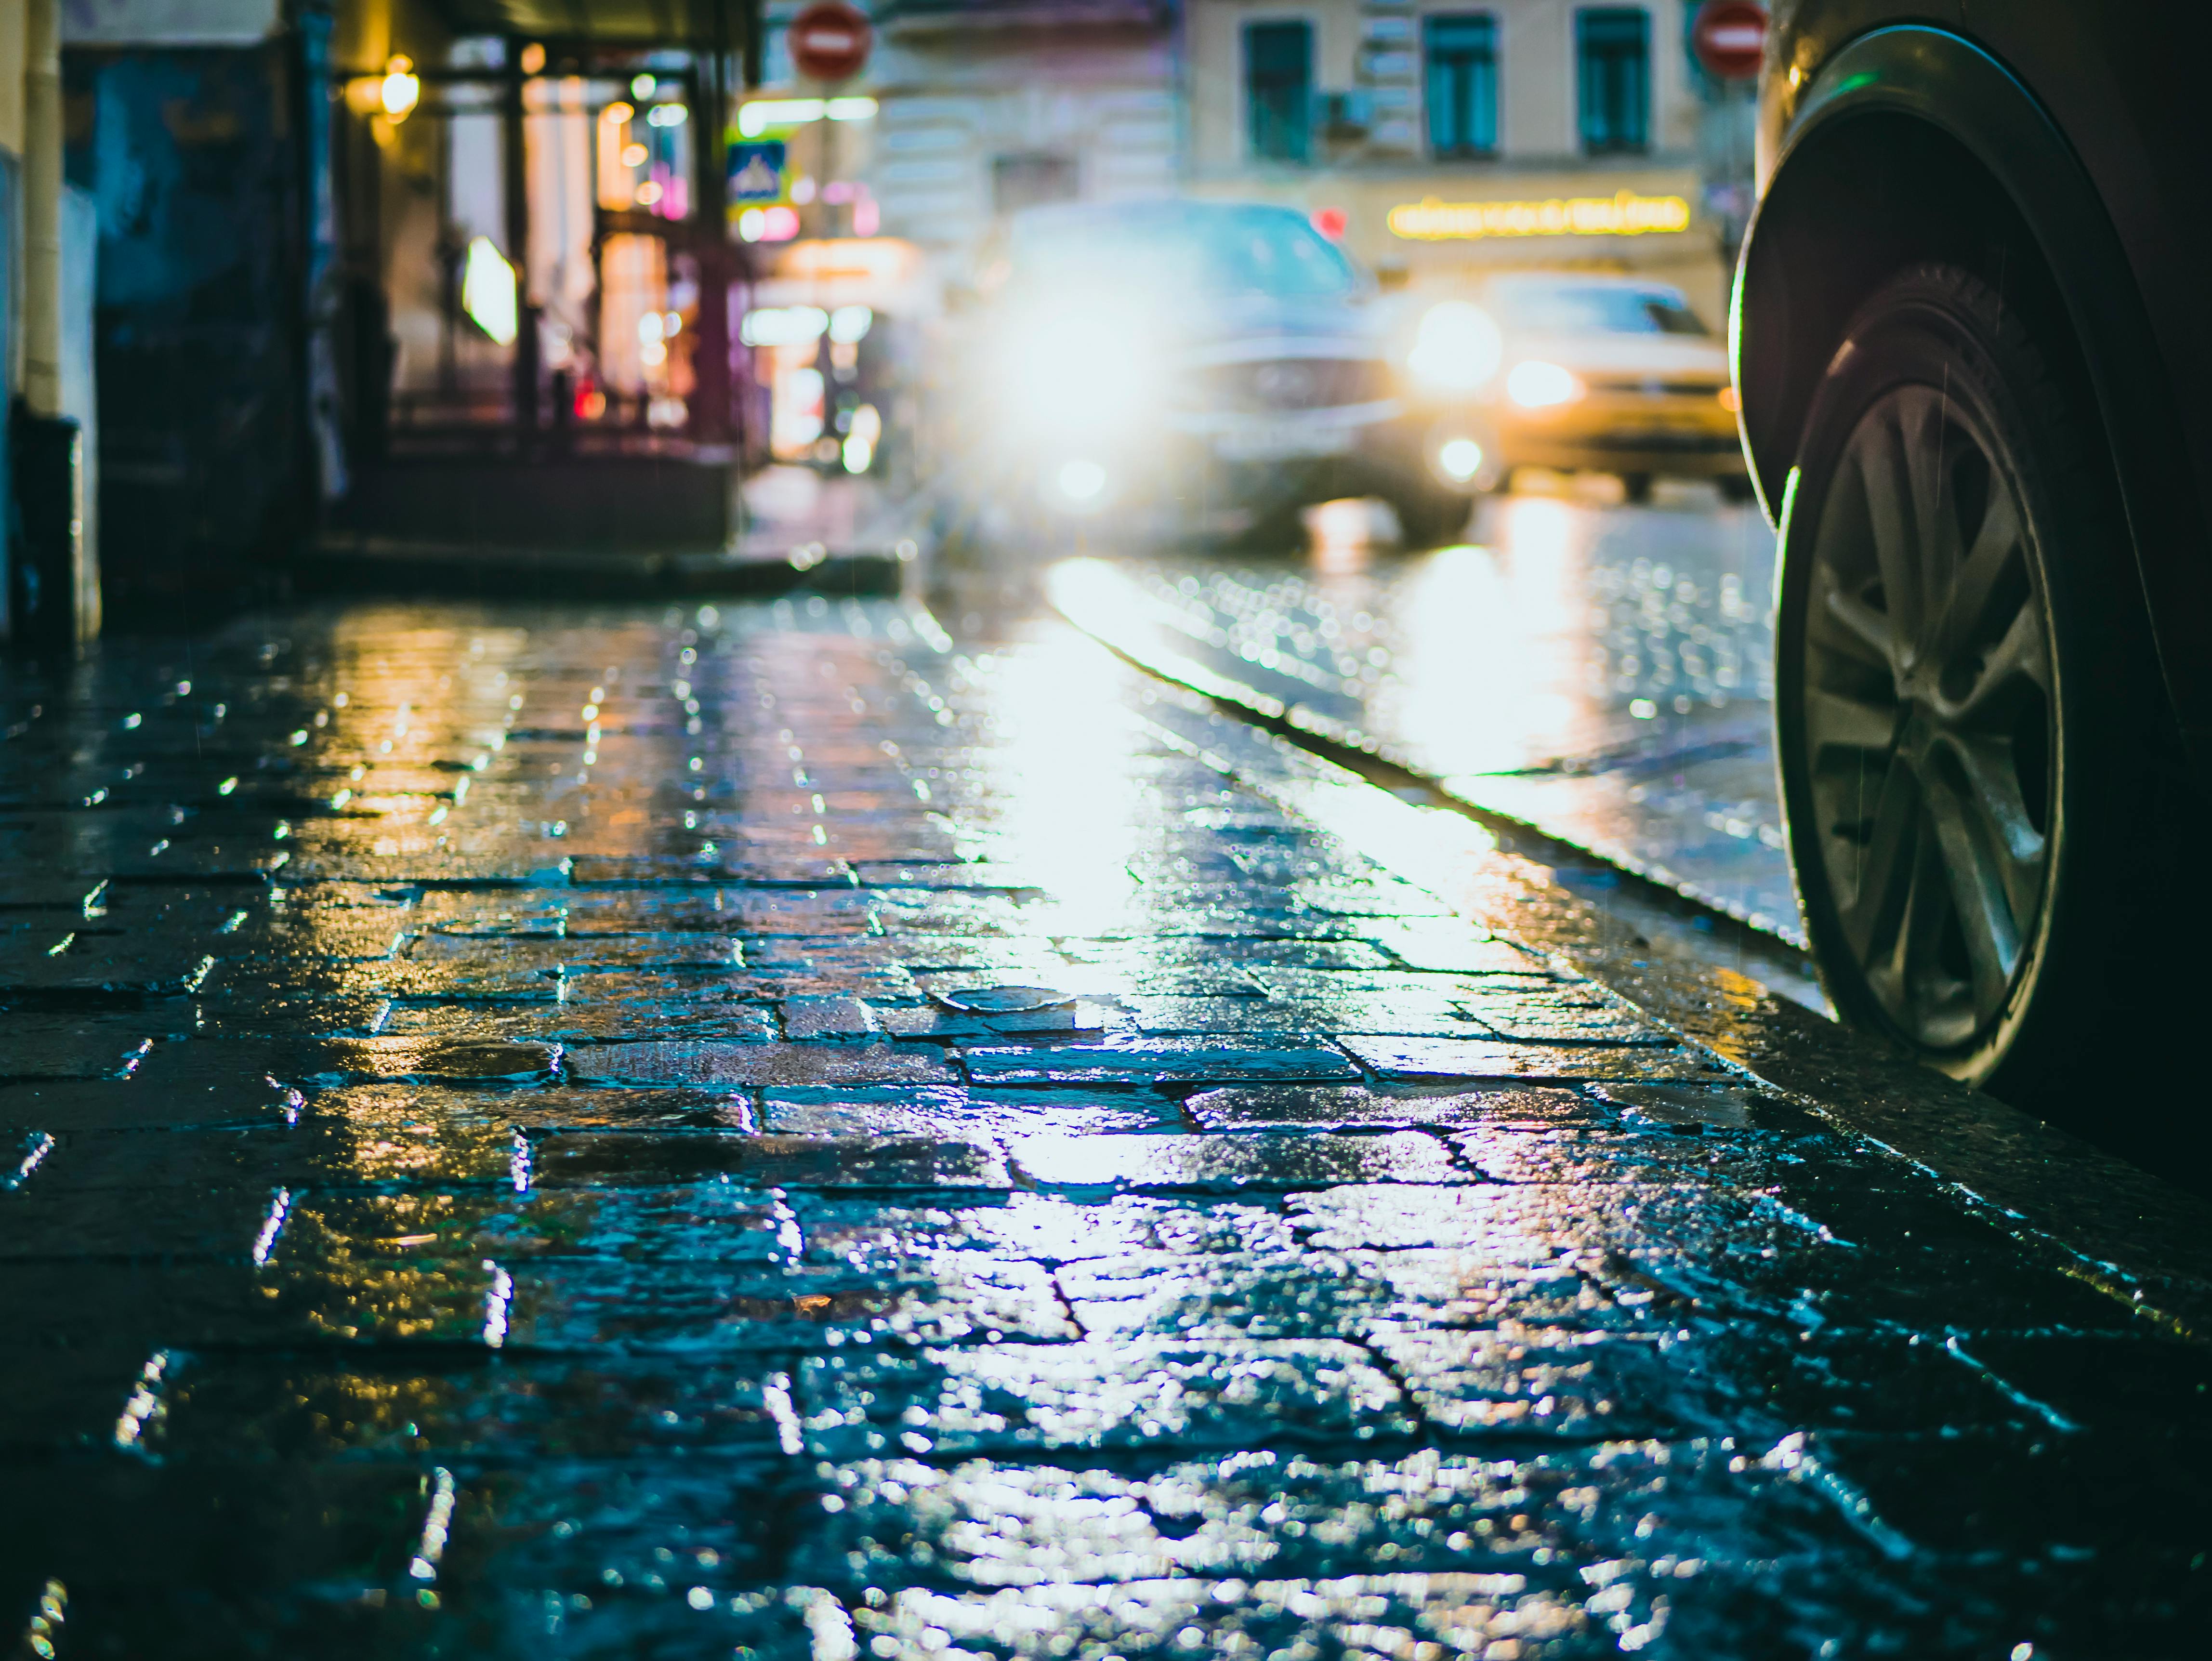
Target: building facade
x,y
986,107
1442,140
50,593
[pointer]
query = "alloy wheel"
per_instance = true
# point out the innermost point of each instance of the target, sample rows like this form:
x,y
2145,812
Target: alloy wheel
x,y
1928,716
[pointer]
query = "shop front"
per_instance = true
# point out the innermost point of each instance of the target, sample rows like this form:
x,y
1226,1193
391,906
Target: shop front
x,y
1435,229
832,334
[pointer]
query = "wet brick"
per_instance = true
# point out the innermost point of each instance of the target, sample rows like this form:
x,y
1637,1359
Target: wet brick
x,y
682,1063
565,1216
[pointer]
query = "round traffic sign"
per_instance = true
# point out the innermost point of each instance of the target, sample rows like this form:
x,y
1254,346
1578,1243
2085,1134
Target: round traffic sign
x,y
1729,38
830,41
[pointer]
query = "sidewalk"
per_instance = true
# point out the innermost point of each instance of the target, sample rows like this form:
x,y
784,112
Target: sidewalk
x,y
799,529
508,1153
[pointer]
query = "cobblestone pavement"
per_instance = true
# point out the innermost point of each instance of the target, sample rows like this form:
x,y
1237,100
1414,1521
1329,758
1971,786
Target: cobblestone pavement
x,y
622,1134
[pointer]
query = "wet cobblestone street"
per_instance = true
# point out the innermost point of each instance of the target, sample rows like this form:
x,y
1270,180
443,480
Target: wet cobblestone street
x,y
543,1133
1623,658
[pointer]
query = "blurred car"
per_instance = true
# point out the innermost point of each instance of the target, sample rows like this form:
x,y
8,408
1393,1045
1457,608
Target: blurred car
x,y
1970,340
1611,374
1174,367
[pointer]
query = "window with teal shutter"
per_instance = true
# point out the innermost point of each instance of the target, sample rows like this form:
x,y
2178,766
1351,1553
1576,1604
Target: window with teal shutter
x,y
1278,89
1459,52
1612,77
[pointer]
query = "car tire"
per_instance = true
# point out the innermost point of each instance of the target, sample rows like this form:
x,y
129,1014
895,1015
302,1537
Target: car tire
x,y
1430,519
1964,721
1736,488
1636,487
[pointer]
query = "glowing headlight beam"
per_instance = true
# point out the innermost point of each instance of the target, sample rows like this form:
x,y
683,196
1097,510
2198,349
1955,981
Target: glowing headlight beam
x,y
1080,481
1078,371
1456,347
1536,385
1460,458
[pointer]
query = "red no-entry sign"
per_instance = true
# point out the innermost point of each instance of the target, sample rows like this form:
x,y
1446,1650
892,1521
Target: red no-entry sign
x,y
1729,38
830,41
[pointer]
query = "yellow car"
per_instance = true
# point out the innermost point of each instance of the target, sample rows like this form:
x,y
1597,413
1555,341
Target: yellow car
x,y
1611,374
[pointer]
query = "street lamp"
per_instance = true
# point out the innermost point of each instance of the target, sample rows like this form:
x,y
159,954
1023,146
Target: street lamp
x,y
400,89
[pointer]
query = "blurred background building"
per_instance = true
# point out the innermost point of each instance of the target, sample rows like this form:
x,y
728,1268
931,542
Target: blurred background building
x,y
1442,141
363,273
992,106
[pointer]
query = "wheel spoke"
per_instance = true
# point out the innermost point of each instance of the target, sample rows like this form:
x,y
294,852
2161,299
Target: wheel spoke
x,y
2020,654
1861,624
1883,869
1995,543
1977,890
1926,898
1898,960
1886,475
1834,720
1993,790
1924,426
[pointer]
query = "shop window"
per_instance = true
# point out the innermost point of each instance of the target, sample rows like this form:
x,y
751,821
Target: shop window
x,y
1026,181
1613,76
1279,90
1459,52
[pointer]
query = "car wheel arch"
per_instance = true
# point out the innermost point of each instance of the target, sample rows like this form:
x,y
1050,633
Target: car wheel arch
x,y
1912,144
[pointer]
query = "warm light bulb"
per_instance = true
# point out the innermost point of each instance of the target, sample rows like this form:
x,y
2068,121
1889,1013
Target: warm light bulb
x,y
401,89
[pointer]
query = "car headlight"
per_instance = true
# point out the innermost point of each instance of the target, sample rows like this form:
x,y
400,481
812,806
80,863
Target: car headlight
x,y
1456,347
1536,385
1077,371
1460,458
1080,480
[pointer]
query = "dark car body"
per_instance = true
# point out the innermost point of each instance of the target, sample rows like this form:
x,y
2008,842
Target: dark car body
x,y
2057,151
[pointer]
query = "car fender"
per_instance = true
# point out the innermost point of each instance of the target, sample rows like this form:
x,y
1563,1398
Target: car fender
x,y
1780,340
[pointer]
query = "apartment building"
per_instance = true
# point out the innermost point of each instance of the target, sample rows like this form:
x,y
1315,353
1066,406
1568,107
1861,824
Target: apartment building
x,y
991,105
1438,141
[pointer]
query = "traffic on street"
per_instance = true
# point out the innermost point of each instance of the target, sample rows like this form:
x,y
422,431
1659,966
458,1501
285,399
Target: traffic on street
x,y
925,829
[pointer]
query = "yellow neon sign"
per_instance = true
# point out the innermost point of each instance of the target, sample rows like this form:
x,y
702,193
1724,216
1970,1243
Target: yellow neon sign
x,y
1624,213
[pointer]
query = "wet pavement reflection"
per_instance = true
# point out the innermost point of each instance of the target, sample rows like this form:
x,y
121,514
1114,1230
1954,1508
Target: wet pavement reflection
x,y
769,1131
1601,671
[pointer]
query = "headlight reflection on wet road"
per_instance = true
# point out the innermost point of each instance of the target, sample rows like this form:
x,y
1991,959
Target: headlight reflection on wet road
x,y
1066,787
1517,691
1603,674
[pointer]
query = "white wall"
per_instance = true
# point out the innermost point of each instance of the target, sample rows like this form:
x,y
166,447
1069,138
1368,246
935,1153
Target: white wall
x,y
951,104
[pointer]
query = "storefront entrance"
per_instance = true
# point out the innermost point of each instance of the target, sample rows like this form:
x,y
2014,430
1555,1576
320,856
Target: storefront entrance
x,y
533,321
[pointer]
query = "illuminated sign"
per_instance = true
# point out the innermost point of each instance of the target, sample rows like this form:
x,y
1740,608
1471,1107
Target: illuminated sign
x,y
757,172
1624,214
781,114
487,291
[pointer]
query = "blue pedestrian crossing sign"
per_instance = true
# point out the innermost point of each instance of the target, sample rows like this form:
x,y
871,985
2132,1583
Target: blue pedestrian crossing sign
x,y
756,171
